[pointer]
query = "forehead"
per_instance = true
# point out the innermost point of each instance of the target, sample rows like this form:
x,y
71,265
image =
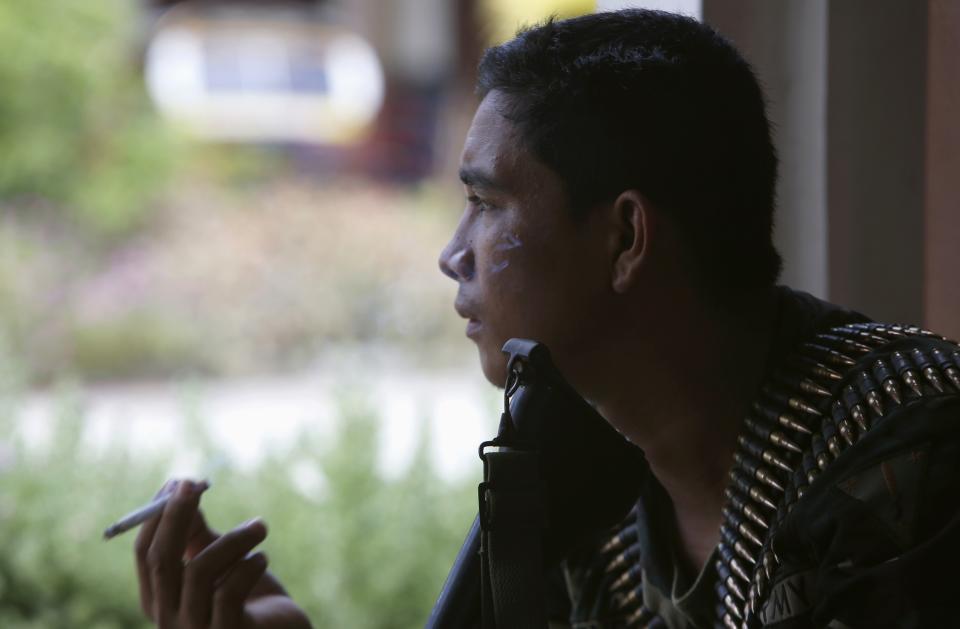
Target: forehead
x,y
493,148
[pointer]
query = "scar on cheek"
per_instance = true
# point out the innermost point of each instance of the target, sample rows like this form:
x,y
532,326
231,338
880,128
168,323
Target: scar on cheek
x,y
512,242
496,268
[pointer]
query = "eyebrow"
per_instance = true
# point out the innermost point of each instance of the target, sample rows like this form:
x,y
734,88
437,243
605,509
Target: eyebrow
x,y
478,179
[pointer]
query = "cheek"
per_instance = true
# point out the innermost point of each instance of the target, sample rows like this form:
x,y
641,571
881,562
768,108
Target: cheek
x,y
548,292
506,247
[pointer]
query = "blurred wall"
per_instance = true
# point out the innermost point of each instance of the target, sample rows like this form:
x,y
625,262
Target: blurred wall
x,y
942,234
786,42
863,96
876,107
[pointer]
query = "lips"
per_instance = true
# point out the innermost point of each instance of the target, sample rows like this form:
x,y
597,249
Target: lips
x,y
465,309
468,311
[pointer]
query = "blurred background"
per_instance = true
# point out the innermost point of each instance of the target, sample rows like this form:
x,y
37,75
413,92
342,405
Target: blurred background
x,y
219,224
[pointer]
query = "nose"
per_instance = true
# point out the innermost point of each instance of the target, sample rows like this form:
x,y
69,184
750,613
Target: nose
x,y
457,260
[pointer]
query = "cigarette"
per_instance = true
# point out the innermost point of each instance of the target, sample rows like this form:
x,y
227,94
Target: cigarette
x,y
138,516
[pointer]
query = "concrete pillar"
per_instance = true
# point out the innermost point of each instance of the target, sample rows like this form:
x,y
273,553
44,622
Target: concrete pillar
x,y
942,234
876,108
786,43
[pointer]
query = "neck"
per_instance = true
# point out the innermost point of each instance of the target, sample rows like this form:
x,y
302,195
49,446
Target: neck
x,y
683,402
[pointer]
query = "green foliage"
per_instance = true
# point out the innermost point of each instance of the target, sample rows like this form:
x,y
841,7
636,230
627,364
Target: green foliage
x,y
135,344
354,549
76,129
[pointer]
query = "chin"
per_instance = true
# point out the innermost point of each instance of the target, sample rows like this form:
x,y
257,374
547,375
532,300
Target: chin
x,y
493,362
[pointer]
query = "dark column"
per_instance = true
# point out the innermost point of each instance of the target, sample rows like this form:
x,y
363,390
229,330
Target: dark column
x,y
943,170
785,42
876,107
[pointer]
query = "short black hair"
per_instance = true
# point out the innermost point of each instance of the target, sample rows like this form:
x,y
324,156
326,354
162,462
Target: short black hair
x,y
660,103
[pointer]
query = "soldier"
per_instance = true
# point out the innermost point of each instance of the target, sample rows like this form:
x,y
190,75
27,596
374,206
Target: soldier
x,y
803,460
619,178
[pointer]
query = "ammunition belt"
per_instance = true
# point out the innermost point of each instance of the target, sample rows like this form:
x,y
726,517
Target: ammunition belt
x,y
823,399
626,590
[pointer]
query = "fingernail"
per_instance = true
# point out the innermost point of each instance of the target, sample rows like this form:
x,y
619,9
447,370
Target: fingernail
x,y
185,489
255,523
259,559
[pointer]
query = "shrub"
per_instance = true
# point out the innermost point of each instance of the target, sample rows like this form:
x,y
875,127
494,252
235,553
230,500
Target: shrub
x,y
354,549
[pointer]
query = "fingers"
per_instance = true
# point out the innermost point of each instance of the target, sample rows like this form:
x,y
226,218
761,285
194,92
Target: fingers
x,y
140,548
202,574
166,551
228,602
200,536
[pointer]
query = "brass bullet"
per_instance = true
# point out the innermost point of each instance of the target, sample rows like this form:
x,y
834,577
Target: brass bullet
x,y
800,405
833,445
769,564
953,374
741,526
755,449
890,331
760,497
626,536
641,615
873,401
767,478
729,603
621,581
779,439
832,340
823,461
890,388
841,359
744,552
812,475
629,599
852,400
754,515
729,623
747,532
831,356
734,587
787,420
772,459
931,375
760,580
911,379
623,559
800,491
753,598
885,376
846,431
877,340
810,386
739,570
857,346
822,371
615,543
858,416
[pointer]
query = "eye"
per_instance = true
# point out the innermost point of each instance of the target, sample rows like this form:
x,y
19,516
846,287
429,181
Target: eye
x,y
477,202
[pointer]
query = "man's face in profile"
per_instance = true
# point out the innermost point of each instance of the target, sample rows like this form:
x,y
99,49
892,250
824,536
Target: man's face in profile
x,y
525,267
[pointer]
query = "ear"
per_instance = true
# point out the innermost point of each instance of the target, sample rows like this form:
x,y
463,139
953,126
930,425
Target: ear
x,y
634,223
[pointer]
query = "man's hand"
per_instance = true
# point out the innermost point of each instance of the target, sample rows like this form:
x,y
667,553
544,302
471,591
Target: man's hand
x,y
193,578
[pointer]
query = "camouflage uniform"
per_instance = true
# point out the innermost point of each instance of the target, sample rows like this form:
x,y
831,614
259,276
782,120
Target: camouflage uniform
x,y
842,503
